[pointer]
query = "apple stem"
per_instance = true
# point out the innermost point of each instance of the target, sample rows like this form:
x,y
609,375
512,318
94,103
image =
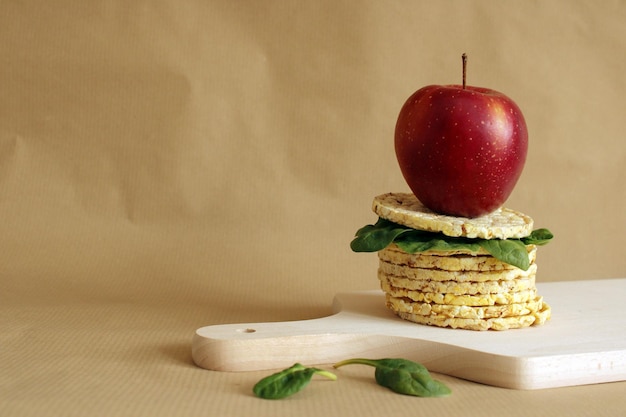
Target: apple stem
x,y
464,59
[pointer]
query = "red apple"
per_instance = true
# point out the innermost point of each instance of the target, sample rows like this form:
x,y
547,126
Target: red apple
x,y
461,149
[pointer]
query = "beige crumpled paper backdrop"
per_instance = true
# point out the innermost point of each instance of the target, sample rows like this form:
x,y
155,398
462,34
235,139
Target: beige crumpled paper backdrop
x,y
213,159
214,137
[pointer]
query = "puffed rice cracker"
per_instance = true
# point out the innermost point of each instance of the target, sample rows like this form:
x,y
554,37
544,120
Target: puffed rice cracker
x,y
451,262
459,288
475,300
407,210
465,312
498,323
460,276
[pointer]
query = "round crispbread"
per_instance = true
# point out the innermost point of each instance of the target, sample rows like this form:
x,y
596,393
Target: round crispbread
x,y
497,323
407,210
464,312
459,276
458,262
459,288
475,300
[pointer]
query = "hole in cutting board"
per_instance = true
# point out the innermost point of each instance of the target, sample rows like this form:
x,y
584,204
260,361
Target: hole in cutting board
x,y
246,330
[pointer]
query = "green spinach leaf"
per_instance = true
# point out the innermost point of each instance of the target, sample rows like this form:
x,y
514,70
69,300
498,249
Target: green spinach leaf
x,y
511,251
403,377
376,237
419,241
538,237
372,238
287,382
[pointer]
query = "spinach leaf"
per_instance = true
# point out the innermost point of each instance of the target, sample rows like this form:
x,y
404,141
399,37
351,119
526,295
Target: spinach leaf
x,y
538,237
511,251
403,377
287,382
419,241
373,238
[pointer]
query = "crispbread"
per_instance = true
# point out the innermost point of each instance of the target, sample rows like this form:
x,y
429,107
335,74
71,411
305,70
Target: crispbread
x,y
466,287
460,276
407,210
459,288
475,300
498,323
406,305
458,262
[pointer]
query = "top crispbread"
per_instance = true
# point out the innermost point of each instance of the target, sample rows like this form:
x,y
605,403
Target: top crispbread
x,y
407,210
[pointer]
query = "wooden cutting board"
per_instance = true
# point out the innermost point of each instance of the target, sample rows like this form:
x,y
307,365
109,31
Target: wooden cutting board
x,y
583,343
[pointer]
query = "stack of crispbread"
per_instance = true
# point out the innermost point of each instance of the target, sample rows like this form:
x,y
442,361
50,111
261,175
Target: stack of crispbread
x,y
458,289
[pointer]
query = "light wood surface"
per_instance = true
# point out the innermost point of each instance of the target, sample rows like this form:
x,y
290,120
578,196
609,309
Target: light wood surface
x,y
583,343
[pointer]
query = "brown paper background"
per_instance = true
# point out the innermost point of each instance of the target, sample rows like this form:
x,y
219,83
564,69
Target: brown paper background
x,y
169,165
